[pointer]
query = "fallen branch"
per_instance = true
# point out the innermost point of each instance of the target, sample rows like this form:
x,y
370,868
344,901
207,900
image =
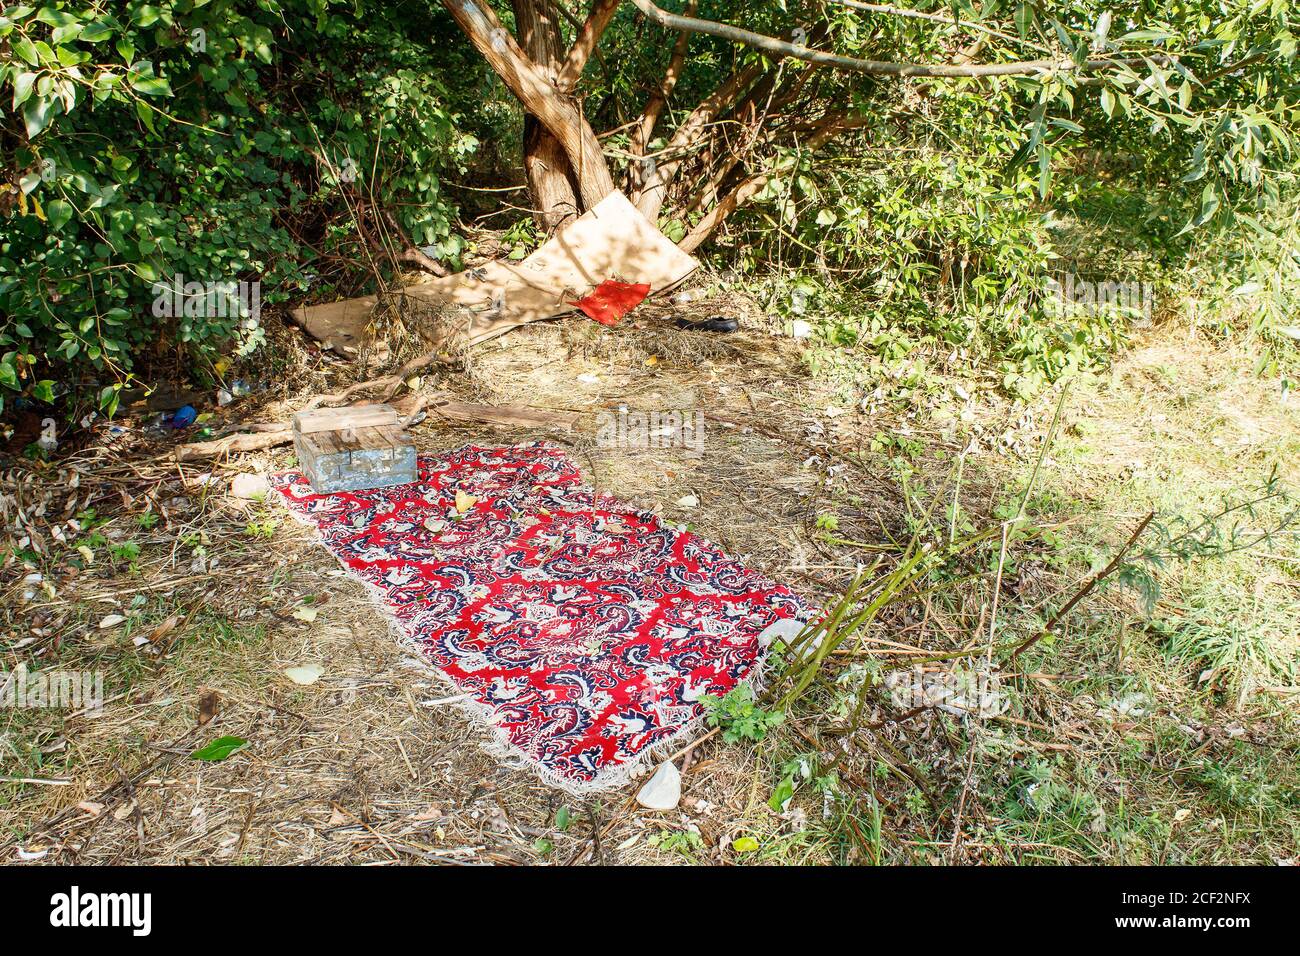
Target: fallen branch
x,y
515,416
390,383
270,435
412,253
257,441
1087,588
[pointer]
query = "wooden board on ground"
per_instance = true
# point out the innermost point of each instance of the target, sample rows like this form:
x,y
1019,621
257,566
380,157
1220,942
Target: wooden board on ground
x,y
517,416
610,241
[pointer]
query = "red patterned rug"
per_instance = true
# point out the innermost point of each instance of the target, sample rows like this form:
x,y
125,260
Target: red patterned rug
x,y
584,632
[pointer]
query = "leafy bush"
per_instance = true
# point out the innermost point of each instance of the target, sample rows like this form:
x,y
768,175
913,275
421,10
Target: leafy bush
x,y
213,140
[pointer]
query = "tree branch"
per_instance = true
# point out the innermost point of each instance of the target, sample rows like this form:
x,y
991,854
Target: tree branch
x,y
951,21
557,113
659,98
780,48
650,197
602,11
1087,588
825,130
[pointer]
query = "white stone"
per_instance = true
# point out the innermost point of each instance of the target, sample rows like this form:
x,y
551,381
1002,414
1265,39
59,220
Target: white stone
x,y
663,791
250,486
306,675
800,329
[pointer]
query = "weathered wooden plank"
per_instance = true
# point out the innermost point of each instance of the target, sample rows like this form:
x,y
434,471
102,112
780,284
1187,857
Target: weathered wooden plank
x,y
519,416
338,419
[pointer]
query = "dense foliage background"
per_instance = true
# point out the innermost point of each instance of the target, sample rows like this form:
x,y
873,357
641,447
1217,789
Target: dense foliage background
x,y
241,139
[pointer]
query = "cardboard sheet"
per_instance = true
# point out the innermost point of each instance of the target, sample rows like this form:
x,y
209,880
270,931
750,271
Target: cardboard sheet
x,y
610,241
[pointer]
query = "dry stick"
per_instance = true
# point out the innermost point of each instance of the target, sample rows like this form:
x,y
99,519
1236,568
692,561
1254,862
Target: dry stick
x,y
961,803
373,832
1087,588
412,253
391,383
1020,512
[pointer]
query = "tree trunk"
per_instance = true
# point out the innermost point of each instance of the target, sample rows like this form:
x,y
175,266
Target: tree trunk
x,y
550,184
558,113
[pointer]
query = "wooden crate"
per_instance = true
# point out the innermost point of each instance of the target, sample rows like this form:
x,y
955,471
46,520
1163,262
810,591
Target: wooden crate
x,y
347,449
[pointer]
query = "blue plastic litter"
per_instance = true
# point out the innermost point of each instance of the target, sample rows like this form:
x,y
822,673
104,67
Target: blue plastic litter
x,y
184,417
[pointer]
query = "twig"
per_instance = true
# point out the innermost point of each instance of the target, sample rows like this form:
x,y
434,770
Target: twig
x,y
1087,588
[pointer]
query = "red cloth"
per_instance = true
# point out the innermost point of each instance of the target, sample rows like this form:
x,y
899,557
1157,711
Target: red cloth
x,y
612,300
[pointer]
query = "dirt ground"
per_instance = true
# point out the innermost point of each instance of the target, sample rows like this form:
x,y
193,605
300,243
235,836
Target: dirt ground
x,y
366,765
370,764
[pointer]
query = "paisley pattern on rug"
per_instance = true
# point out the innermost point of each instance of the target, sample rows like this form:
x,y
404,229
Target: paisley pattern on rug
x,y
586,631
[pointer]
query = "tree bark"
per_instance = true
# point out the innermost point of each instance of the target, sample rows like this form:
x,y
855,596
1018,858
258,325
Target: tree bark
x,y
558,113
602,11
550,184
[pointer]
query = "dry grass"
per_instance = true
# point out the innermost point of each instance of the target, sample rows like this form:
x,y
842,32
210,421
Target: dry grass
x,y
364,765
367,766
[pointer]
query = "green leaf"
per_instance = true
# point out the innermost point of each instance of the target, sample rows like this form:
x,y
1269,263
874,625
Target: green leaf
x,y
145,115
108,399
8,374
744,844
58,212
147,15
563,818
27,50
260,43
37,114
220,749
782,795
56,18
151,86
23,88
1066,124
96,32
1024,19
43,391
